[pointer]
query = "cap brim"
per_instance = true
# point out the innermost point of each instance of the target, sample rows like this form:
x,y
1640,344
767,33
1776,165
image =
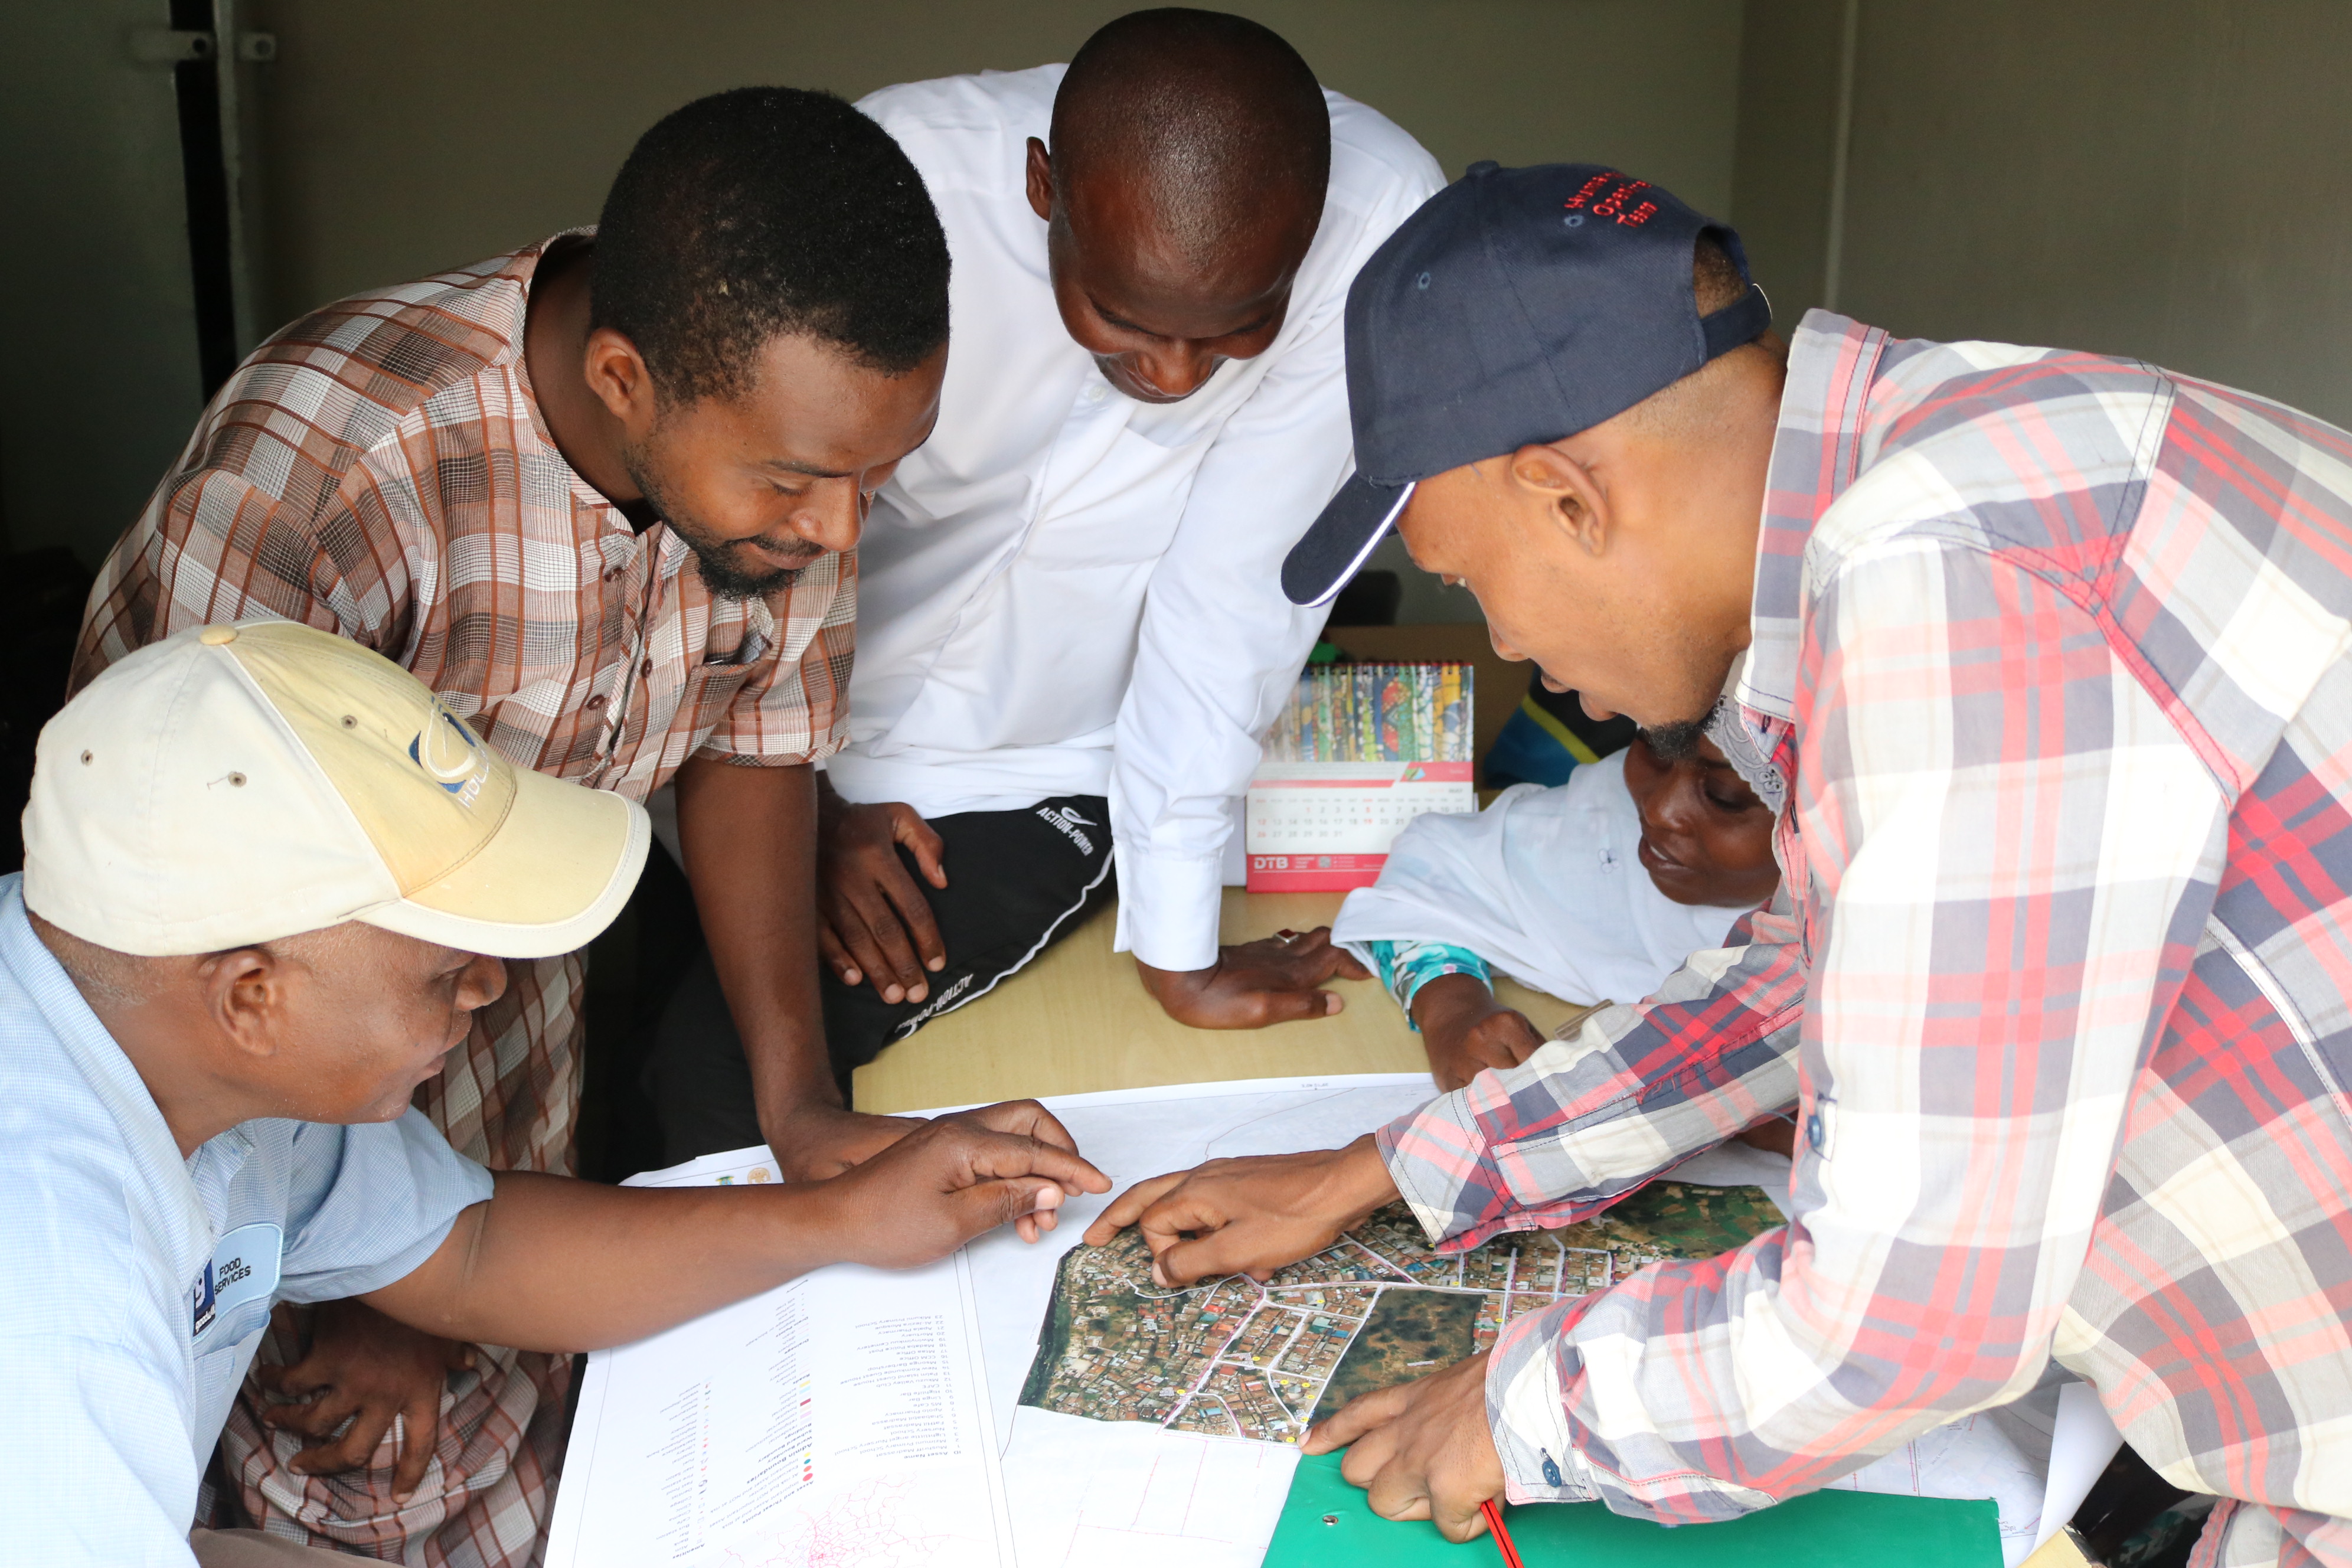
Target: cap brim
x,y
548,881
1336,547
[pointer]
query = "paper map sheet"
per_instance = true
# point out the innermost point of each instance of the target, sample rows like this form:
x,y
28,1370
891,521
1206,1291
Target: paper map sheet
x,y
1190,1469
1186,1462
1147,1491
841,1419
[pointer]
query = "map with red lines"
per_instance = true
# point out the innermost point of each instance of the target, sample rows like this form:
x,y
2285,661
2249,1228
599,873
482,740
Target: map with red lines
x,y
1236,1359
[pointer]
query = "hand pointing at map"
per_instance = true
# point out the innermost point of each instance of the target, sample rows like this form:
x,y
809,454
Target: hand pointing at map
x,y
1249,1215
1422,1449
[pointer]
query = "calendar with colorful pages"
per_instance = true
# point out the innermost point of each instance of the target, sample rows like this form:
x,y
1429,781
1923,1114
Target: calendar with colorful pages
x,y
1360,751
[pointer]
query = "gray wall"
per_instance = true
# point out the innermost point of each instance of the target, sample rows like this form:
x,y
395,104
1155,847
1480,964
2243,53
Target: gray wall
x,y
2169,179
406,135
395,137
96,307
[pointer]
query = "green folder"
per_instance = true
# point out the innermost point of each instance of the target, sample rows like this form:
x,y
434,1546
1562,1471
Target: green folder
x,y
1326,1524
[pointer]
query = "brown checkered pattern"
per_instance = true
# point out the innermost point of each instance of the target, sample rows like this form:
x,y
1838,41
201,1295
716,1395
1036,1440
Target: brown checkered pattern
x,y
380,470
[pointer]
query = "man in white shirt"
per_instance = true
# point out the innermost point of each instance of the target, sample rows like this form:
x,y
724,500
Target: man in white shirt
x,y
1070,633
266,871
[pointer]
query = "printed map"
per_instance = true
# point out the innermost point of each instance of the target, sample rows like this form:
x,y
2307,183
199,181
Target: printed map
x,y
1236,1359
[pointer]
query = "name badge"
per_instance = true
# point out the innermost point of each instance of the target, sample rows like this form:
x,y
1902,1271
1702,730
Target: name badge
x,y
243,1268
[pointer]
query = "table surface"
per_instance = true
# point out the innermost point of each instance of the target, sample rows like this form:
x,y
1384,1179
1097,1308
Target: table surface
x,y
1078,1020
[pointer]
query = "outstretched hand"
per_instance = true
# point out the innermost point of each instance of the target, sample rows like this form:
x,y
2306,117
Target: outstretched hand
x,y
1422,1449
1273,980
960,1176
1249,1215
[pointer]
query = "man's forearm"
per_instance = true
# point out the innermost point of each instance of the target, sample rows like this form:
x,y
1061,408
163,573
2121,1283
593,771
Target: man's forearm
x,y
750,839
554,1264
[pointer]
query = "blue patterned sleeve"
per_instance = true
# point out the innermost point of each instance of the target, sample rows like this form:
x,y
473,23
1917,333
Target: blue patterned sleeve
x,y
1406,966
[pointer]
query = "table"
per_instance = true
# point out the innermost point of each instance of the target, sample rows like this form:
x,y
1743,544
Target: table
x,y
1078,1020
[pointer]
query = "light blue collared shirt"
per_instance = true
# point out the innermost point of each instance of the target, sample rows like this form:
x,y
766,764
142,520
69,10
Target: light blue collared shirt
x,y
136,1284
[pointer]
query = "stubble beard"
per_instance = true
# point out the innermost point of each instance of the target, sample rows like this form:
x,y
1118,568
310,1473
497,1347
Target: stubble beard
x,y
713,561
1678,742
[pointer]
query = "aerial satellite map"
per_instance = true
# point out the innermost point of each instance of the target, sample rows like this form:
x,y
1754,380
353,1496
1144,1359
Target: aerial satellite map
x,y
1236,1359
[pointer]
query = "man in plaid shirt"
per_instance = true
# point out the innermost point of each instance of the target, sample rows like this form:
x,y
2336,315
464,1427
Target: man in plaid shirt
x,y
2044,657
601,495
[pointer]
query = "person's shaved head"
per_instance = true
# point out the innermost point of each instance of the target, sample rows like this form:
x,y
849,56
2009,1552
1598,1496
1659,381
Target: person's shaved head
x,y
1185,181
1212,118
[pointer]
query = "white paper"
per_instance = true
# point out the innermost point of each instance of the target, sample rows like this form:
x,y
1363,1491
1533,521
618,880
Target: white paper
x,y
2080,1447
839,1419
1135,1495
1127,1493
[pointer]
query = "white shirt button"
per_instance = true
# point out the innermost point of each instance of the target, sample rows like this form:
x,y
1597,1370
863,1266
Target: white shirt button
x,y
1097,392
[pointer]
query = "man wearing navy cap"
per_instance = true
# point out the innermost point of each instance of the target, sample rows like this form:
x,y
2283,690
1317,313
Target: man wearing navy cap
x,y
2042,658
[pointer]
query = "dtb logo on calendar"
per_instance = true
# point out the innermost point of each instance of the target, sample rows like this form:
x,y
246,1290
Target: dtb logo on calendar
x,y
1361,750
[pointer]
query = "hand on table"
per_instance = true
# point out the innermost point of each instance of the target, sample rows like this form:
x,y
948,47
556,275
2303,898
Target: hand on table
x,y
363,1367
816,1140
875,924
960,1176
1467,1031
1422,1449
1273,980
1249,1215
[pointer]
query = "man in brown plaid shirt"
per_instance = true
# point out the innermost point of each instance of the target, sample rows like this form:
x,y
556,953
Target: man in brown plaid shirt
x,y
601,494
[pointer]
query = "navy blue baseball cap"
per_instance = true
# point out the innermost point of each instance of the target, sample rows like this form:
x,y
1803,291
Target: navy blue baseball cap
x,y
1516,307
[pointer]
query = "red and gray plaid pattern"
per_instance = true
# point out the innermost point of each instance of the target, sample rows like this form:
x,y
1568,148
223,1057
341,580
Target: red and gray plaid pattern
x,y
2050,667
380,470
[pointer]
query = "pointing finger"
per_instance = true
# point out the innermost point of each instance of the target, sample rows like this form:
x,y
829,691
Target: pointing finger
x,y
1363,1413
1128,1206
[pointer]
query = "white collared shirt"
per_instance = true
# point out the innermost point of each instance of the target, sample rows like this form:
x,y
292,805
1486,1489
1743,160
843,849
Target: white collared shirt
x,y
1069,592
139,1283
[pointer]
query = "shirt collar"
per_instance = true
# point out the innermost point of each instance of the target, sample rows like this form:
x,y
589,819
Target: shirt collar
x,y
1816,454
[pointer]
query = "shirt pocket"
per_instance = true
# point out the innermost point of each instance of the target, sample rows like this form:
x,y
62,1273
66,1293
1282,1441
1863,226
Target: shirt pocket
x,y
711,692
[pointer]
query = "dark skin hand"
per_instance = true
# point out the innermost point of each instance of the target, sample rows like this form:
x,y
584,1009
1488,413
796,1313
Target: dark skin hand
x,y
1254,984
364,1368
1467,1031
1422,1449
1250,1215
876,924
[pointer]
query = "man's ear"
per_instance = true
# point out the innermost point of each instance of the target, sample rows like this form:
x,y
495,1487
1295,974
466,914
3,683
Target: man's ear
x,y
618,375
246,995
1041,181
1578,505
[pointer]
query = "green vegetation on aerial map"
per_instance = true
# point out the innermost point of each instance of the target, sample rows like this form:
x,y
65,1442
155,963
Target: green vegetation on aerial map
x,y
1233,1358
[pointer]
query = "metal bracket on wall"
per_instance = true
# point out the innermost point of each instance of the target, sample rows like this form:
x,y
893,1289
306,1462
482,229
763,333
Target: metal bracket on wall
x,y
170,46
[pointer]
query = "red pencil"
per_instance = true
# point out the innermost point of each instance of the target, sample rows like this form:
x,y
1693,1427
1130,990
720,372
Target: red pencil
x,y
1503,1542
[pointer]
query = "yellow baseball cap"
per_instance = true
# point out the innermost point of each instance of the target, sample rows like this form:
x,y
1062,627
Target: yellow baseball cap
x,y
236,784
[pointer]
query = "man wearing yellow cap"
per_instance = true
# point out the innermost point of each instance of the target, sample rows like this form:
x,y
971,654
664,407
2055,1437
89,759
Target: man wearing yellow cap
x,y
603,495
269,879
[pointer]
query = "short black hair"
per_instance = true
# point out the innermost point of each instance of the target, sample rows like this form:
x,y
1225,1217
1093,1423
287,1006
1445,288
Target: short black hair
x,y
761,210
1214,116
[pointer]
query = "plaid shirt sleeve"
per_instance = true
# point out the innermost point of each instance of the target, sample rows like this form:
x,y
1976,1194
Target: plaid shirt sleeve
x,y
213,546
2009,853
1638,1088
